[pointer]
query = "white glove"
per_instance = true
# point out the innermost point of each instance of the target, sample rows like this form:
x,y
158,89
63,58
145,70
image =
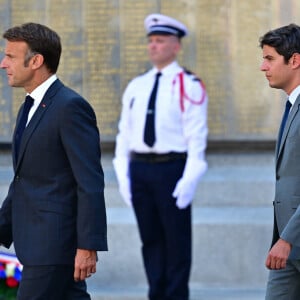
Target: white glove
x,y
186,186
184,192
124,189
121,169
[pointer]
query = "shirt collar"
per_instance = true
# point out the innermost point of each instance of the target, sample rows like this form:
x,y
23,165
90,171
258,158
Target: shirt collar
x,y
169,69
294,95
38,93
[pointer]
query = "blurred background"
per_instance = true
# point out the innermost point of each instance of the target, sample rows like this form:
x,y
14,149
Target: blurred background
x,y
104,46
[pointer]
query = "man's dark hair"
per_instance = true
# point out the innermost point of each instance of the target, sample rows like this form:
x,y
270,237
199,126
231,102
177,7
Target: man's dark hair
x,y
285,40
40,39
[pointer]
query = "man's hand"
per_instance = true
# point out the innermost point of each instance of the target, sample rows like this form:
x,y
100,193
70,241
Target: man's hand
x,y
278,255
85,264
184,192
124,188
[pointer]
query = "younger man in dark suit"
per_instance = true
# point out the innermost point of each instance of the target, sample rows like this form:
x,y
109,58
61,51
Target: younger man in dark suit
x,y
54,211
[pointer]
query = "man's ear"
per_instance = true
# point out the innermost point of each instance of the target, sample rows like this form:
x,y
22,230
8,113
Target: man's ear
x,y
37,61
296,60
177,45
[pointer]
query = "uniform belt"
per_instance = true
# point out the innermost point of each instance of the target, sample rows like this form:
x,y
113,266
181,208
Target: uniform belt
x,y
156,158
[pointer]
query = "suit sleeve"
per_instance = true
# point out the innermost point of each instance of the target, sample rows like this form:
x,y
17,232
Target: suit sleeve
x,y
81,140
291,231
6,238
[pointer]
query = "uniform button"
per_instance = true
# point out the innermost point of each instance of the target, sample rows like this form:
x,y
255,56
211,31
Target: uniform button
x,y
17,177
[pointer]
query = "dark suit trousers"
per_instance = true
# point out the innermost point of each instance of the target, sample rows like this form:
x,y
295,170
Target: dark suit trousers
x,y
164,229
51,283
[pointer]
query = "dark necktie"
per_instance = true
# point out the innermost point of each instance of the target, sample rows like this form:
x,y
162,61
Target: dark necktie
x,y
284,118
149,133
22,124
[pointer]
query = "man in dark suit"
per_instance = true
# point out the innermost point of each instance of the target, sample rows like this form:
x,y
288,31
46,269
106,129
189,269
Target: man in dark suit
x,y
54,211
281,64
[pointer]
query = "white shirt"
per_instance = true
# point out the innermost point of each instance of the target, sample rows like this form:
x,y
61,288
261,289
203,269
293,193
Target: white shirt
x,y
176,130
294,95
38,93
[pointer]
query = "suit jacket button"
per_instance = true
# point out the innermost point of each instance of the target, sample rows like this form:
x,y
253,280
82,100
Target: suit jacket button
x,y
17,177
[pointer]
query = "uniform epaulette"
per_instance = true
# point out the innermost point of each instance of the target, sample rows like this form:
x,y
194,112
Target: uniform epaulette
x,y
183,95
188,72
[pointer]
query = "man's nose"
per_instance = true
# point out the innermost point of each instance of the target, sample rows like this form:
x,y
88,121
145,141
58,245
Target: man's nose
x,y
152,44
263,66
3,64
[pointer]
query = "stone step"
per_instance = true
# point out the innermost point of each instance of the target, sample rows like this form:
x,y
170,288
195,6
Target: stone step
x,y
231,180
237,179
233,184
213,191
196,293
229,248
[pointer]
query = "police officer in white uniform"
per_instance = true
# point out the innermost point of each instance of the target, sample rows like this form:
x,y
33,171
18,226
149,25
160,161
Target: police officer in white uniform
x,y
158,172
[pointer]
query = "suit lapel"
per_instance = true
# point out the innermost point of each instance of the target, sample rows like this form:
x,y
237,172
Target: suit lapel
x,y
36,118
293,113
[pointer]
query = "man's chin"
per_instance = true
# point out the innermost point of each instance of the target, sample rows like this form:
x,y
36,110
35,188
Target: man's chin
x,y
11,82
274,86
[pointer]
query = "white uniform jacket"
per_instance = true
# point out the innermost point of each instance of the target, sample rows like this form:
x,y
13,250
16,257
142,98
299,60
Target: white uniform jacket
x,y
180,120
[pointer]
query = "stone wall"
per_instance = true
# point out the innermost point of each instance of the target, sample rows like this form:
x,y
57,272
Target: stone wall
x,y
104,46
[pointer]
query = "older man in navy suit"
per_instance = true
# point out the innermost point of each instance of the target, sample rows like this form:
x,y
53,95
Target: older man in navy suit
x,y
54,211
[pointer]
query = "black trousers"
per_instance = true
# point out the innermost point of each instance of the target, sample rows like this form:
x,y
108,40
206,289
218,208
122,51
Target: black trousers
x,y
51,283
164,229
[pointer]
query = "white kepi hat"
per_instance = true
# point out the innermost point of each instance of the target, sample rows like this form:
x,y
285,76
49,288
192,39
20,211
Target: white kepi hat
x,y
164,25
